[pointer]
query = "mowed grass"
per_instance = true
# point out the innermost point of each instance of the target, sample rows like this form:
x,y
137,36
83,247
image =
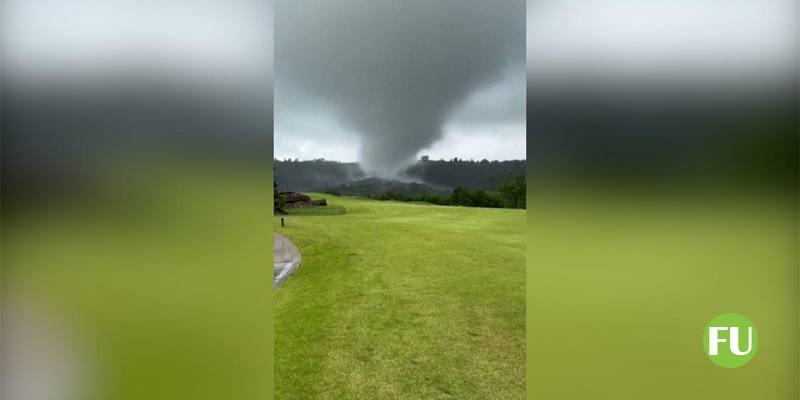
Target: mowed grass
x,y
403,301
321,210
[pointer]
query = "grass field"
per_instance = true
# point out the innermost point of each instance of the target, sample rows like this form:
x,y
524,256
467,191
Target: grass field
x,y
328,210
403,301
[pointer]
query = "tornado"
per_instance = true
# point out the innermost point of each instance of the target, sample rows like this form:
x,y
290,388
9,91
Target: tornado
x,y
391,71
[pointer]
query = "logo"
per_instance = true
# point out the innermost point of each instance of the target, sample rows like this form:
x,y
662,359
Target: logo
x,y
730,340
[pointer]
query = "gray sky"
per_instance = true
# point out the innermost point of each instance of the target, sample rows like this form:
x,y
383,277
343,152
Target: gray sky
x,y
193,39
633,44
412,77
90,78
645,43
489,124
382,82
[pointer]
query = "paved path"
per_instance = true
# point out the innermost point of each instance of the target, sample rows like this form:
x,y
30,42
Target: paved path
x,y
287,259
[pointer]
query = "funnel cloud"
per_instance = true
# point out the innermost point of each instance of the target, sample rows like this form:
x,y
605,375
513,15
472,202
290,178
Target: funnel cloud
x,y
391,74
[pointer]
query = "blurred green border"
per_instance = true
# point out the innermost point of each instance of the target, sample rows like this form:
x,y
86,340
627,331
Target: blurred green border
x,y
622,281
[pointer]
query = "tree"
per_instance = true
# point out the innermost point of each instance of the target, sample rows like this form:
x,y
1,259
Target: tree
x,y
480,199
461,196
513,191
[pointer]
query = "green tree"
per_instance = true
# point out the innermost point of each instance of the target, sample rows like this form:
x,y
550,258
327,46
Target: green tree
x,y
462,196
512,190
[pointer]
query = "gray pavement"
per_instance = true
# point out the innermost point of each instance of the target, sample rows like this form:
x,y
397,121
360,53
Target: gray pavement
x,y
286,258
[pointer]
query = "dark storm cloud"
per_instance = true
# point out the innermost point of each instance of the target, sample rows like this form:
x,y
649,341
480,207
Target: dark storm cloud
x,y
393,71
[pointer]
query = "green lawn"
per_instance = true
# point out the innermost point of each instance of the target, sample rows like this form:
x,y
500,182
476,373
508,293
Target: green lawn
x,y
403,301
323,210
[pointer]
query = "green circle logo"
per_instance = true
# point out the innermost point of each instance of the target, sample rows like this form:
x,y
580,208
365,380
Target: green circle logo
x,y
730,340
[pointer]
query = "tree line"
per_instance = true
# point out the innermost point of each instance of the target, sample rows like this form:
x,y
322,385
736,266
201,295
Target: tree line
x,y
443,175
510,193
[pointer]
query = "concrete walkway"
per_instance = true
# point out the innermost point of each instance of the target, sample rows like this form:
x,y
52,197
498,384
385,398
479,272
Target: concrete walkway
x,y
286,258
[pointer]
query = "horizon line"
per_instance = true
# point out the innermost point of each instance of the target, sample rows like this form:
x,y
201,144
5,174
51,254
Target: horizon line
x,y
296,159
